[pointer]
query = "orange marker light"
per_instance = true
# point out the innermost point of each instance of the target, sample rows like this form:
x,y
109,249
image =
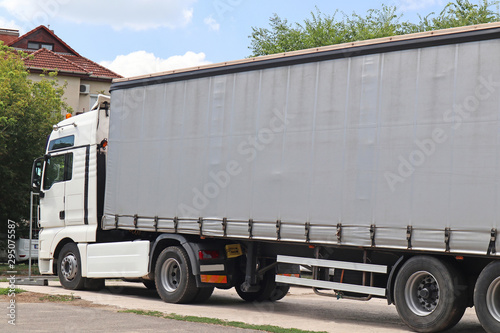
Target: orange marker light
x,y
68,115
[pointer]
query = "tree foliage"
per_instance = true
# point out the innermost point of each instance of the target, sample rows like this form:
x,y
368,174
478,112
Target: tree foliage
x,y
323,29
28,110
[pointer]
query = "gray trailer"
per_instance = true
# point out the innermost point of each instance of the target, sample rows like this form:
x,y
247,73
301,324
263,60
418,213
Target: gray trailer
x,y
374,163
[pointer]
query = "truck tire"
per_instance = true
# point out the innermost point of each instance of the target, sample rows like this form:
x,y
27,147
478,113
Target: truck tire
x,y
267,291
174,281
487,298
203,295
69,270
279,292
430,294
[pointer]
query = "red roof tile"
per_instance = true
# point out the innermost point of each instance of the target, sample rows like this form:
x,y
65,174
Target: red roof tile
x,y
46,59
92,67
63,58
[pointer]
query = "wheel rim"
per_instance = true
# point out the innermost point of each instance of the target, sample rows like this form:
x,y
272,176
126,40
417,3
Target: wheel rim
x,y
171,275
493,299
69,266
422,293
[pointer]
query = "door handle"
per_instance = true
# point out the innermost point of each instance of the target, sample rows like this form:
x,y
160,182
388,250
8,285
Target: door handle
x,y
61,215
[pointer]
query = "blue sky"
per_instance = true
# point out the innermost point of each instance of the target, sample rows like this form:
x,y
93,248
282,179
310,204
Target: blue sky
x,y
144,36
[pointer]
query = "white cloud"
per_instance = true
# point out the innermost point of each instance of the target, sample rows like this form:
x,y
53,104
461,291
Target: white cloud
x,y
212,23
142,62
135,15
4,24
412,5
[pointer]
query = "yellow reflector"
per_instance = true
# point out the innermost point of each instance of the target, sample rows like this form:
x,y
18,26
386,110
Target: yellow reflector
x,y
213,278
233,251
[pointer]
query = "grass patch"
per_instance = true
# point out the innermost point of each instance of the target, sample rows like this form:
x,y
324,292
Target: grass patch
x,y
59,298
6,291
214,321
21,269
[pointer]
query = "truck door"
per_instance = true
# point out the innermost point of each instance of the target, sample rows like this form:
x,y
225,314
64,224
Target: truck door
x,y
57,172
75,190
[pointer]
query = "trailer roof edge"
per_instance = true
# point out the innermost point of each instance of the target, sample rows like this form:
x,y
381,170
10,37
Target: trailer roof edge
x,y
346,50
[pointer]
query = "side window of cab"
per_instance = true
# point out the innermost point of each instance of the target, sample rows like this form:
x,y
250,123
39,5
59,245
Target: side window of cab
x,y
58,168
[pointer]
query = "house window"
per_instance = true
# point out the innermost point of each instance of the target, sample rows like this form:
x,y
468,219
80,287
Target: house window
x,y
38,45
93,100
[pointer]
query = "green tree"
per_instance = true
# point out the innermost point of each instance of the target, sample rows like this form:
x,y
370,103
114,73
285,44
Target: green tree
x,y
28,110
461,13
322,29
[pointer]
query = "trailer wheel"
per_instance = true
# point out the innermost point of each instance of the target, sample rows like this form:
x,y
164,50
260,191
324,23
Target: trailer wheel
x,y
487,297
279,292
69,271
265,293
174,281
203,295
430,295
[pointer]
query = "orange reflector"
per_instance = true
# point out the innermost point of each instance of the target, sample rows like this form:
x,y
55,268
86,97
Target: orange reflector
x,y
459,258
290,275
213,278
68,115
311,246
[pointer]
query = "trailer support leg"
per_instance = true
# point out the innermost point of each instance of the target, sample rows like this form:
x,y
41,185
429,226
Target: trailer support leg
x,y
250,284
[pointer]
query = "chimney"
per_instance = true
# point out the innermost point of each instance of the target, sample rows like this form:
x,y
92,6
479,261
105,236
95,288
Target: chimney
x,y
8,35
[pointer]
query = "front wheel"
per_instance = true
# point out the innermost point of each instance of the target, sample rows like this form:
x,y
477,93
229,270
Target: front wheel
x,y
174,281
430,294
69,271
487,298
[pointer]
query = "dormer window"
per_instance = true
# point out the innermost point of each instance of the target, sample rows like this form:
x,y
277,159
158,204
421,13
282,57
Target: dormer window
x,y
38,45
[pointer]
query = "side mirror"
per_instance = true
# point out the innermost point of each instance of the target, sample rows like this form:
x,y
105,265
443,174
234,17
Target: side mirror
x,y
36,174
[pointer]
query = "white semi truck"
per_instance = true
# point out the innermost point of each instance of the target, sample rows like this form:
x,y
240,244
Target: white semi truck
x,y
376,164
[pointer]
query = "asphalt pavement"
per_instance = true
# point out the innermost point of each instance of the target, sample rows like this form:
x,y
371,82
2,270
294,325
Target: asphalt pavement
x,y
300,309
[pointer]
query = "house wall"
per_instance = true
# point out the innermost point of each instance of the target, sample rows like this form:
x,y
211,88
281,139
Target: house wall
x,y
78,102
96,87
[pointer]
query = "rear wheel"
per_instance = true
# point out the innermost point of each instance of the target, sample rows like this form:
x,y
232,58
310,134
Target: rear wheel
x,y
269,290
279,292
174,281
487,298
69,270
203,294
430,295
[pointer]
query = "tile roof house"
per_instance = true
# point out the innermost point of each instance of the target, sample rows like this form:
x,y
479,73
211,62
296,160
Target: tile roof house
x,y
85,78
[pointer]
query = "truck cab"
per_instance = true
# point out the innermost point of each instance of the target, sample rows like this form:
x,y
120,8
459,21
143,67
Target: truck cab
x,y
66,179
